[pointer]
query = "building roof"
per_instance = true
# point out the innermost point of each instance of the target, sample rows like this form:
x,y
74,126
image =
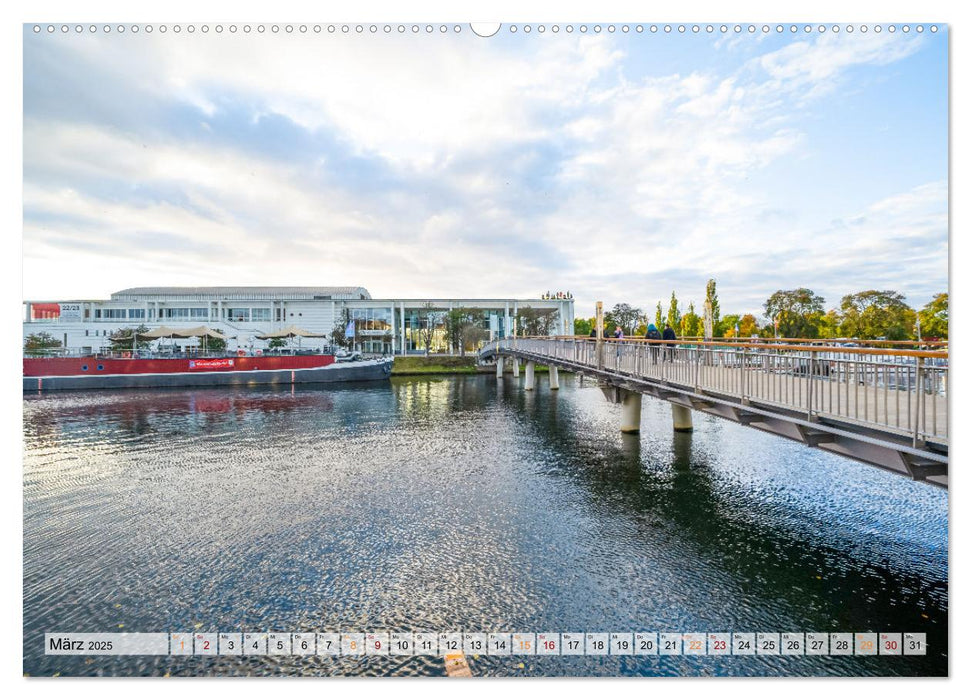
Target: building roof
x,y
288,293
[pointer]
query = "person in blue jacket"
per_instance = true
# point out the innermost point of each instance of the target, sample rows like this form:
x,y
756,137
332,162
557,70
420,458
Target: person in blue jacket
x,y
652,334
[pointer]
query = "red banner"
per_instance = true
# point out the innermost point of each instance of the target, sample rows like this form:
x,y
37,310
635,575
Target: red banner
x,y
221,363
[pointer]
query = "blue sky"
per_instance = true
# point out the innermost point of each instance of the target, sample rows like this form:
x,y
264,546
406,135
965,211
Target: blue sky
x,y
618,166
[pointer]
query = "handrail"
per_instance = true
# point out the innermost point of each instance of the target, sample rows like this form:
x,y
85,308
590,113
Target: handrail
x,y
904,392
760,345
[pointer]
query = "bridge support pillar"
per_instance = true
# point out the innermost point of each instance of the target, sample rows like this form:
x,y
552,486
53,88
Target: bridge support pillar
x,y
682,418
499,367
554,377
630,416
530,376
515,367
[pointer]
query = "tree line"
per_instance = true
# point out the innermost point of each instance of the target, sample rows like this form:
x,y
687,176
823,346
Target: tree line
x,y
788,313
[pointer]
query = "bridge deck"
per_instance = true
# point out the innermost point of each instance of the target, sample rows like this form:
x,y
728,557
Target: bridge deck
x,y
888,410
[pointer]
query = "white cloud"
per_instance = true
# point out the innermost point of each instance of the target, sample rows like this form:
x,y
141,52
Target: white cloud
x,y
550,163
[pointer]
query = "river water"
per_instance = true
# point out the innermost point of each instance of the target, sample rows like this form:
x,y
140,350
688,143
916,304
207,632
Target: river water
x,y
458,503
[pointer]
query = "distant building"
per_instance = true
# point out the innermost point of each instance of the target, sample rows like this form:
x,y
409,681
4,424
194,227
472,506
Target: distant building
x,y
386,326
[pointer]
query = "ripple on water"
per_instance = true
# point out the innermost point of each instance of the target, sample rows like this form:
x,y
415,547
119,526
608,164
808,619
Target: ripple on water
x,y
458,504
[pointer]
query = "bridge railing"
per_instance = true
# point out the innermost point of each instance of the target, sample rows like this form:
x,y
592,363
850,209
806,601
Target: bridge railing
x,y
902,391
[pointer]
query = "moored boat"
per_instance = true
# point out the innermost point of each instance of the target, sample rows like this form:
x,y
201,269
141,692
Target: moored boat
x,y
131,370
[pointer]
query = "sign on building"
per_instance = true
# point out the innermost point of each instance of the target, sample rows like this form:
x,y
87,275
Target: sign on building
x,y
70,312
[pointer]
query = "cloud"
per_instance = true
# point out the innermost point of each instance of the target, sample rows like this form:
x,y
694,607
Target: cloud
x,y
442,166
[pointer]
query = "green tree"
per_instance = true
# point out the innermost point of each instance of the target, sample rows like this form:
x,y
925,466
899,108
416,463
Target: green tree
x,y
276,343
659,317
829,324
583,326
727,326
712,296
933,317
38,343
674,316
460,328
215,344
691,323
877,314
625,316
747,326
798,312
122,339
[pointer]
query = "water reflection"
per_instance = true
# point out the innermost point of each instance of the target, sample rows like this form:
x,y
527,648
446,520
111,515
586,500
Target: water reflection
x,y
459,503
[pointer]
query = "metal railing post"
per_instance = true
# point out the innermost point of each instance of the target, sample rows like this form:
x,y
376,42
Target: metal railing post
x,y
809,400
920,402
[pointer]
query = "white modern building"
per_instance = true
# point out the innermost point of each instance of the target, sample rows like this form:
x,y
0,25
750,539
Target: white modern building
x,y
386,326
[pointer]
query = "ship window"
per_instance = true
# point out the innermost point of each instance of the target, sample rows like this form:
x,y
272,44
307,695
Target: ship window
x,y
84,368
100,367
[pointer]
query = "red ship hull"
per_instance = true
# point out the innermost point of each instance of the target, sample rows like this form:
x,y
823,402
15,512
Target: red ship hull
x,y
72,373
80,366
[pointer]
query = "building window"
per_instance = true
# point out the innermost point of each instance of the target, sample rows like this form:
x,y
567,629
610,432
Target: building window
x,y
237,315
259,314
372,321
136,313
110,313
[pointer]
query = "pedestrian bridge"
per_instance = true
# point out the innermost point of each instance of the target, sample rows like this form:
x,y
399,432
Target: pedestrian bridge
x,y
885,407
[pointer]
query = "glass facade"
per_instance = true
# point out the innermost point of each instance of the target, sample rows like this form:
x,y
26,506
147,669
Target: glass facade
x,y
184,314
372,321
238,315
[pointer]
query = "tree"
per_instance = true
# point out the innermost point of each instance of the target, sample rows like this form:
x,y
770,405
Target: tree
x,y
122,339
216,344
829,324
583,326
532,321
711,296
460,327
877,314
625,316
338,335
933,317
276,343
727,325
691,323
674,316
798,312
428,321
37,343
747,326
659,316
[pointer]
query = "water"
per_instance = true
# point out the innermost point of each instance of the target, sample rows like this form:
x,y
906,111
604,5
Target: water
x,y
458,504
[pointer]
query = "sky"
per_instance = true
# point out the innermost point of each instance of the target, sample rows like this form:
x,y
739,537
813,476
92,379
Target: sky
x,y
620,167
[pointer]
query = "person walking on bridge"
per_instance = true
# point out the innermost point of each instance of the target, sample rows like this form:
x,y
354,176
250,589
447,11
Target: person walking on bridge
x,y
669,334
652,334
618,335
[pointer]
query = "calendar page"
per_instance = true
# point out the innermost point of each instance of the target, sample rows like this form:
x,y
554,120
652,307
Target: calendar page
x,y
455,349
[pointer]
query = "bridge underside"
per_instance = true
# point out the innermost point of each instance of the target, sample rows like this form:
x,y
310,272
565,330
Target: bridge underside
x,y
879,448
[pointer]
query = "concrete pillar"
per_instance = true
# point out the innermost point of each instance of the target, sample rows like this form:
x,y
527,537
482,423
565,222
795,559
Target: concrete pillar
x,y
499,367
630,407
554,377
682,418
515,367
530,376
